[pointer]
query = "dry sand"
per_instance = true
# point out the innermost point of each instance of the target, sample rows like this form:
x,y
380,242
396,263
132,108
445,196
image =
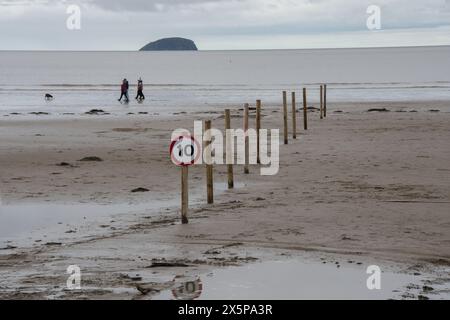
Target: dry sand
x,y
370,185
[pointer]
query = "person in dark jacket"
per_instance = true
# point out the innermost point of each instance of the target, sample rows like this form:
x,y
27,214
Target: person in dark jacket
x,y
124,90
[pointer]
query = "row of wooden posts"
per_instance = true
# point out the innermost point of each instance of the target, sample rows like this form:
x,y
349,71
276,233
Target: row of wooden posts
x,y
207,127
323,111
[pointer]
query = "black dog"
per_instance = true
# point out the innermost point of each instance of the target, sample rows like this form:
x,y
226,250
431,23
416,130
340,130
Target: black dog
x,y
48,96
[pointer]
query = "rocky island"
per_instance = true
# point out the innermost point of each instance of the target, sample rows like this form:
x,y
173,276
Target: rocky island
x,y
170,44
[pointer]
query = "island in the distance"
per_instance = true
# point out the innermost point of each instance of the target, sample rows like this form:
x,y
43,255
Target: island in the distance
x,y
170,44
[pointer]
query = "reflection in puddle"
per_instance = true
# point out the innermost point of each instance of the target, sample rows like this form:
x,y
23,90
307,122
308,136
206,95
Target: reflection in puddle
x,y
290,280
187,289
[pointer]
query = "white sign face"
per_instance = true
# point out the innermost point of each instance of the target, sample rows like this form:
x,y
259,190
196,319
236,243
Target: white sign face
x,y
184,151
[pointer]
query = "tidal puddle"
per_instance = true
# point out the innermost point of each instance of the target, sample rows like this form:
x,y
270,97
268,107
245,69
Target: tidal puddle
x,y
22,224
27,224
288,280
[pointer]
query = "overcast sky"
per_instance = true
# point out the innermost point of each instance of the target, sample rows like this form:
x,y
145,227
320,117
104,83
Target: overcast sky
x,y
222,24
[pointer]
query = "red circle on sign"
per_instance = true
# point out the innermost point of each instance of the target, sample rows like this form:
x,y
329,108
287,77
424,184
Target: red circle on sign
x,y
172,146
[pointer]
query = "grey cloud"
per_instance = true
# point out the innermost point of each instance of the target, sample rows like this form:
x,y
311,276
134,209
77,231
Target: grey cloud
x,y
135,22
145,5
116,5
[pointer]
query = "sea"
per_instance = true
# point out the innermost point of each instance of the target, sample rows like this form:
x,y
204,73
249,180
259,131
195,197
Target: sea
x,y
80,81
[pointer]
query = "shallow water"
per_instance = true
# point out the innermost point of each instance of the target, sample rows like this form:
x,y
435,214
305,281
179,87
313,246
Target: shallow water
x,y
21,224
288,280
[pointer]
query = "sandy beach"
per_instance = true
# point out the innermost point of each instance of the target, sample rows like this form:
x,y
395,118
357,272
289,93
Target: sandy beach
x,y
357,188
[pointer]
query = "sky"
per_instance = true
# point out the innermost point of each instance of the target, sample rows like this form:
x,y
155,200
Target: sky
x,y
222,24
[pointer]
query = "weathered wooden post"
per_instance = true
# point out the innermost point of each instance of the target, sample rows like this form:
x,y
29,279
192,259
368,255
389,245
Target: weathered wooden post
x,y
321,102
285,120
229,151
209,167
258,127
305,110
184,195
324,100
294,117
247,147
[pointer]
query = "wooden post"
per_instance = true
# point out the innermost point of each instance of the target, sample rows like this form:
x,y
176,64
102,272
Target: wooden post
x,y
184,195
294,117
209,167
324,100
258,127
321,102
305,110
229,150
285,120
247,147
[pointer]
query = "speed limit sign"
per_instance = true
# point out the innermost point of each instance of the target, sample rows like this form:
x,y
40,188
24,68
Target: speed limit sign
x,y
184,150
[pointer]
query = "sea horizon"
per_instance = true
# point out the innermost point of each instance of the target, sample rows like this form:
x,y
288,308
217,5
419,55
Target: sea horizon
x,y
227,50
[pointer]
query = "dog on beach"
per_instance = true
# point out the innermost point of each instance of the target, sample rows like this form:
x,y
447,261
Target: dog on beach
x,y
48,97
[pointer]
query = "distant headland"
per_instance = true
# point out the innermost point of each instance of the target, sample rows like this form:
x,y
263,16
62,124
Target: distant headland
x,y
170,44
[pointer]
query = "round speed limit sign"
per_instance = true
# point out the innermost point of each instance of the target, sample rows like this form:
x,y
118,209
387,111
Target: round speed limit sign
x,y
184,151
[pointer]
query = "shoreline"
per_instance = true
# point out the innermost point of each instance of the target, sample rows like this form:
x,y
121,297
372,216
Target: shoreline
x,y
169,113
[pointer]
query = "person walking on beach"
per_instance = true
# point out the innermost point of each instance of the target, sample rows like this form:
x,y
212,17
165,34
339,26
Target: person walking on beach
x,y
124,90
140,90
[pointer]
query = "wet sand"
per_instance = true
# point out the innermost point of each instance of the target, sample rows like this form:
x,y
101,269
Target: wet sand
x,y
366,187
